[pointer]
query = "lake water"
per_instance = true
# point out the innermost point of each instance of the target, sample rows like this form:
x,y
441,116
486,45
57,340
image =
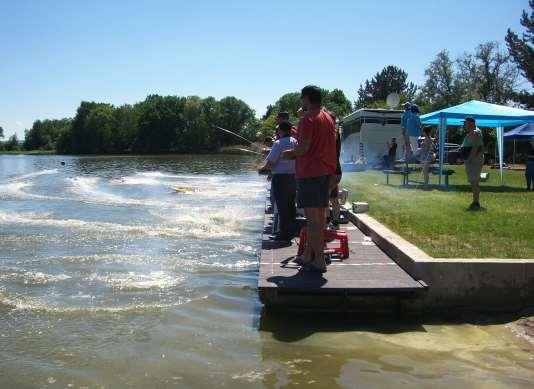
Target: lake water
x,y
141,272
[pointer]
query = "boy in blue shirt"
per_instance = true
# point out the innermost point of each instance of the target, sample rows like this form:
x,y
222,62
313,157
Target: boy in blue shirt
x,y
411,128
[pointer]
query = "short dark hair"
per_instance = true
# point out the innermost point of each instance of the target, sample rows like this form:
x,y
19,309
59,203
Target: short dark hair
x,y
284,127
427,130
313,92
469,119
283,115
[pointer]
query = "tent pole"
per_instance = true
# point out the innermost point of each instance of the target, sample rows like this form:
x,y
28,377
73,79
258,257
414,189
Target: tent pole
x,y
500,140
442,136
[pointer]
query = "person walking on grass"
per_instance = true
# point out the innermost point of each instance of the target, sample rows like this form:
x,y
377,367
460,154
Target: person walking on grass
x,y
529,171
426,154
283,185
315,162
472,150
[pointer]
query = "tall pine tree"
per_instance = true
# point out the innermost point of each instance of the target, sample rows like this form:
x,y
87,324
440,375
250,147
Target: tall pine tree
x,y
522,52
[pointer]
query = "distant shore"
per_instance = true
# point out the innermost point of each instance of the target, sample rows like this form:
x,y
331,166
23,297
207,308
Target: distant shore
x,y
230,150
31,152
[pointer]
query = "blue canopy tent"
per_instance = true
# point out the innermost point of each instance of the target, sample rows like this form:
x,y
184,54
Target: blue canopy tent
x,y
524,132
485,114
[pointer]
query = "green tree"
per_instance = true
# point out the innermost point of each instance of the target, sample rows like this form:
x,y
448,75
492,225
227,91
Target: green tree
x,y
44,134
487,74
161,124
235,115
522,52
100,124
86,136
388,80
1,132
268,112
441,88
65,142
267,127
290,102
197,133
12,144
336,102
35,138
126,128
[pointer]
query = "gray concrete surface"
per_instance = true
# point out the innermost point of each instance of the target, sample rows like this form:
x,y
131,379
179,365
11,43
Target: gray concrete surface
x,y
481,284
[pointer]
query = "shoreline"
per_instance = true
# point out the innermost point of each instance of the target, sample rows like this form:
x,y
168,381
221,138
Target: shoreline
x,y
523,327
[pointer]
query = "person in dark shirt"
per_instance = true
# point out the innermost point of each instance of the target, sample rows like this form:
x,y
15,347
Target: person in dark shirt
x,y
529,171
392,153
334,181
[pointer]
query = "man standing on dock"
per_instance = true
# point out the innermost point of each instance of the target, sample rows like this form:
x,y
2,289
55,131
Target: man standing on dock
x,y
315,162
283,182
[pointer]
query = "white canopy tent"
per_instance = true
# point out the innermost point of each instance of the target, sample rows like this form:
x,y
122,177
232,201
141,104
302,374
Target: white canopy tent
x,y
485,115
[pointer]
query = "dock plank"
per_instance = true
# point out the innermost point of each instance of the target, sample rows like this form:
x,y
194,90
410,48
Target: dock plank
x,y
368,270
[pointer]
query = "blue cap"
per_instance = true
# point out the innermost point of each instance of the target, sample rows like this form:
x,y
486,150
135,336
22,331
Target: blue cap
x,y
407,105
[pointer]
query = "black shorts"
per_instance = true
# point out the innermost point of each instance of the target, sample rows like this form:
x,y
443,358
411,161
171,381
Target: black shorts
x,y
334,185
313,192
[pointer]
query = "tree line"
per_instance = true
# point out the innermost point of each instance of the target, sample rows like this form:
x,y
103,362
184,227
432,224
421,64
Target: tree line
x,y
175,124
161,124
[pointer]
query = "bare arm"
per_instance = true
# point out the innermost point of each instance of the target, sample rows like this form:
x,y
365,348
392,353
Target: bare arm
x,y
267,166
301,149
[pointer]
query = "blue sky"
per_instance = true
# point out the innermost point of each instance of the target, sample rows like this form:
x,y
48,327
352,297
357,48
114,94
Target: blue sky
x,y
53,54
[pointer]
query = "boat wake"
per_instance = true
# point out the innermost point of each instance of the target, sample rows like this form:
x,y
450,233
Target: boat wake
x,y
86,244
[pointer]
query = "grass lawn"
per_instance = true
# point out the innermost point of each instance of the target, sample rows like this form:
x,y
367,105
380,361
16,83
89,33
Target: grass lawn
x,y
437,220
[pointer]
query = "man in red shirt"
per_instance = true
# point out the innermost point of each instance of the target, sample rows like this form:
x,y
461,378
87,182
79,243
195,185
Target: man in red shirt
x,y
315,162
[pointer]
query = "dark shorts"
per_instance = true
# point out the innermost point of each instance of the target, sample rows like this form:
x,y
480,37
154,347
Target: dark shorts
x,y
313,192
334,185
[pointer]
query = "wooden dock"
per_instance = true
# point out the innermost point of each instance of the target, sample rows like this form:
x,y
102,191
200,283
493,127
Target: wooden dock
x,y
367,280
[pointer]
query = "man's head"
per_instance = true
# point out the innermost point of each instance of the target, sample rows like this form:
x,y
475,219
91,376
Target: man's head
x,y
407,106
282,117
427,130
284,129
393,140
469,123
310,97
